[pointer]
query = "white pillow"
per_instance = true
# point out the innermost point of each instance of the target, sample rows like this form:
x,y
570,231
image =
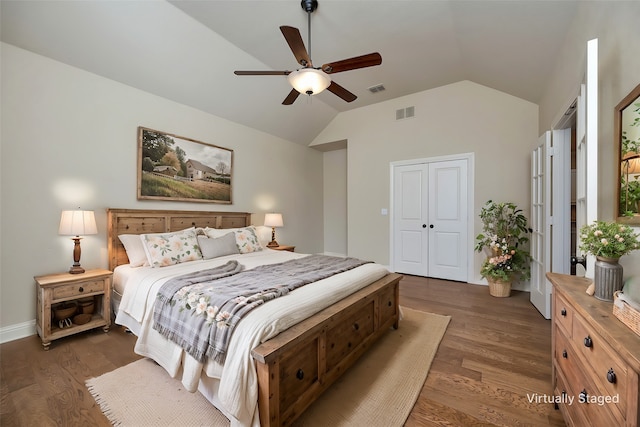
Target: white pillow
x,y
165,249
264,235
217,247
135,249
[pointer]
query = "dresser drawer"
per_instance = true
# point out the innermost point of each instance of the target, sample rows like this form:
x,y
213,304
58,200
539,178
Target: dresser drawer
x,y
570,410
601,359
576,381
563,314
346,336
78,289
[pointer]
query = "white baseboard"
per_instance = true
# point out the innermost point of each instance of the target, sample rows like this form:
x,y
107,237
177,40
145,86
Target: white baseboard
x,y
17,331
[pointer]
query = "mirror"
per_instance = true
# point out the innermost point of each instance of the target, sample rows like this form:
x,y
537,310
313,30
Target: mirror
x,y
627,137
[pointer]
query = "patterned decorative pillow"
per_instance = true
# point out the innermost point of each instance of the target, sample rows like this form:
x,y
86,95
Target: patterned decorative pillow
x,y
247,240
165,249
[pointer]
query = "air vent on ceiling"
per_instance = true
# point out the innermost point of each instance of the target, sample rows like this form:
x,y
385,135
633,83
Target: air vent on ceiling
x,y
376,88
405,113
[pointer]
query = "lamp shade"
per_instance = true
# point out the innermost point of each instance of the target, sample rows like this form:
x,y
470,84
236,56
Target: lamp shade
x,y
273,220
77,223
309,80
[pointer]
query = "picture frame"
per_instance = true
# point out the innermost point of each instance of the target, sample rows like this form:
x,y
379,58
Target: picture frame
x,y
176,168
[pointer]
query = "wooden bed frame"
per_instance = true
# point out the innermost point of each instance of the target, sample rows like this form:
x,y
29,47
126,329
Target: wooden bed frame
x,y
297,365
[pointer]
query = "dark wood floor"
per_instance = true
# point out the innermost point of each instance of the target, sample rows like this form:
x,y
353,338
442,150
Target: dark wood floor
x,y
495,352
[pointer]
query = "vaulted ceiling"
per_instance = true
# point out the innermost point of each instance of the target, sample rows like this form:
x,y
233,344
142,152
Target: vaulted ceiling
x,y
187,51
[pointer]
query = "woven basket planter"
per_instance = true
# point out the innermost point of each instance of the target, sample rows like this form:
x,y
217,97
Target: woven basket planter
x,y
499,288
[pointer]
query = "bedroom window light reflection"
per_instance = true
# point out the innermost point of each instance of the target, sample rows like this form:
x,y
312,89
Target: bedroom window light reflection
x,y
273,220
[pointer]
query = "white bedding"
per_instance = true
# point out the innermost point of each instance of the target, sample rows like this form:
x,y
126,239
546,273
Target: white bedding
x,y
232,387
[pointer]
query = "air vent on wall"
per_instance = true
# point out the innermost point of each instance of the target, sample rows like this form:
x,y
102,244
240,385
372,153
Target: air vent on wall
x,y
405,113
376,88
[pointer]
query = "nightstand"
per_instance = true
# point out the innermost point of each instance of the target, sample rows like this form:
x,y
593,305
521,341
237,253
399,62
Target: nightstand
x,y
55,289
283,248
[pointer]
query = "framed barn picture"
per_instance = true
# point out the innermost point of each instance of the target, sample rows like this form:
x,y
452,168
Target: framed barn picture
x,y
176,168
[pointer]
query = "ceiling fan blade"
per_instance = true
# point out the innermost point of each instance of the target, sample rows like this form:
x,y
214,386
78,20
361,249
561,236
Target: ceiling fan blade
x,y
262,73
338,90
353,63
294,39
293,95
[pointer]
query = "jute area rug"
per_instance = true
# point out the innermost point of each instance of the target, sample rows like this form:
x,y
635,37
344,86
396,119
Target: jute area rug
x,y
379,390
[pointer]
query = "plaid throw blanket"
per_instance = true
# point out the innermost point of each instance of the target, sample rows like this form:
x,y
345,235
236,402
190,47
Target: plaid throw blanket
x,y
199,311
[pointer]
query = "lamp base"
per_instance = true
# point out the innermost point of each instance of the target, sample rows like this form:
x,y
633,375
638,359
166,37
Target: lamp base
x,y
273,244
76,269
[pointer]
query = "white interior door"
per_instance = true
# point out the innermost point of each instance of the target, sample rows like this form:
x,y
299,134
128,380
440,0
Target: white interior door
x,y
550,216
410,184
587,148
447,209
430,218
538,294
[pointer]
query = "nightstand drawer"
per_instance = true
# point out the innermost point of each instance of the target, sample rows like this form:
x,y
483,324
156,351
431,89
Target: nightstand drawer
x,y
78,289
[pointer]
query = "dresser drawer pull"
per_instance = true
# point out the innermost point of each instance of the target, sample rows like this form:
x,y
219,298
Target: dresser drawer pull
x,y
611,376
584,396
356,326
81,289
588,342
300,374
564,354
563,312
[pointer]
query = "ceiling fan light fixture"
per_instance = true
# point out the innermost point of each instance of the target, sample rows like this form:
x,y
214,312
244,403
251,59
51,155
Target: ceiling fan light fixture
x,y
309,81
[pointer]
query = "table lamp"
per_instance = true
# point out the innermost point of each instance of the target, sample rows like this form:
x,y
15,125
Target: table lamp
x,y
77,223
273,220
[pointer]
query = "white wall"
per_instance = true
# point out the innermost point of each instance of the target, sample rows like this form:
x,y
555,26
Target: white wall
x,y
335,202
618,33
69,140
460,118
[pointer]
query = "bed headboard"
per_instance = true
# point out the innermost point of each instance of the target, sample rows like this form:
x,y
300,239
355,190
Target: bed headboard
x,y
142,221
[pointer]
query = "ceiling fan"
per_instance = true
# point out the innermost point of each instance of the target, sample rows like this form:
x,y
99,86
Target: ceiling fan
x,y
312,80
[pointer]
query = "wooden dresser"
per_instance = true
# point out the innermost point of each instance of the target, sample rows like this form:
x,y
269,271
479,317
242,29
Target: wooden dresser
x,y
596,358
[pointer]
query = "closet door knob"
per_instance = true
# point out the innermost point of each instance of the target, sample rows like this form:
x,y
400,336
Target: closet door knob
x,y
424,225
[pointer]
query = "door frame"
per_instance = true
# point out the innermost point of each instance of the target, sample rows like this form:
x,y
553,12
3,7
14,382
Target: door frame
x,y
470,158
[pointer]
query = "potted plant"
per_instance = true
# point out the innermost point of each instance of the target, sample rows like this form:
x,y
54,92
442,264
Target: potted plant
x,y
607,241
503,236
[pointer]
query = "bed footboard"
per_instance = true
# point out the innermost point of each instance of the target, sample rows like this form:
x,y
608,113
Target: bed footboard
x,y
296,366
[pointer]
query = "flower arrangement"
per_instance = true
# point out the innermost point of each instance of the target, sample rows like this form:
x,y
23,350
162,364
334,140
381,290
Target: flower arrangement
x,y
504,233
608,239
506,265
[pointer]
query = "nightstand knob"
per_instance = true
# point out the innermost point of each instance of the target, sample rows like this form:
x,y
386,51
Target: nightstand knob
x,y
564,354
588,342
300,374
80,289
611,376
563,312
